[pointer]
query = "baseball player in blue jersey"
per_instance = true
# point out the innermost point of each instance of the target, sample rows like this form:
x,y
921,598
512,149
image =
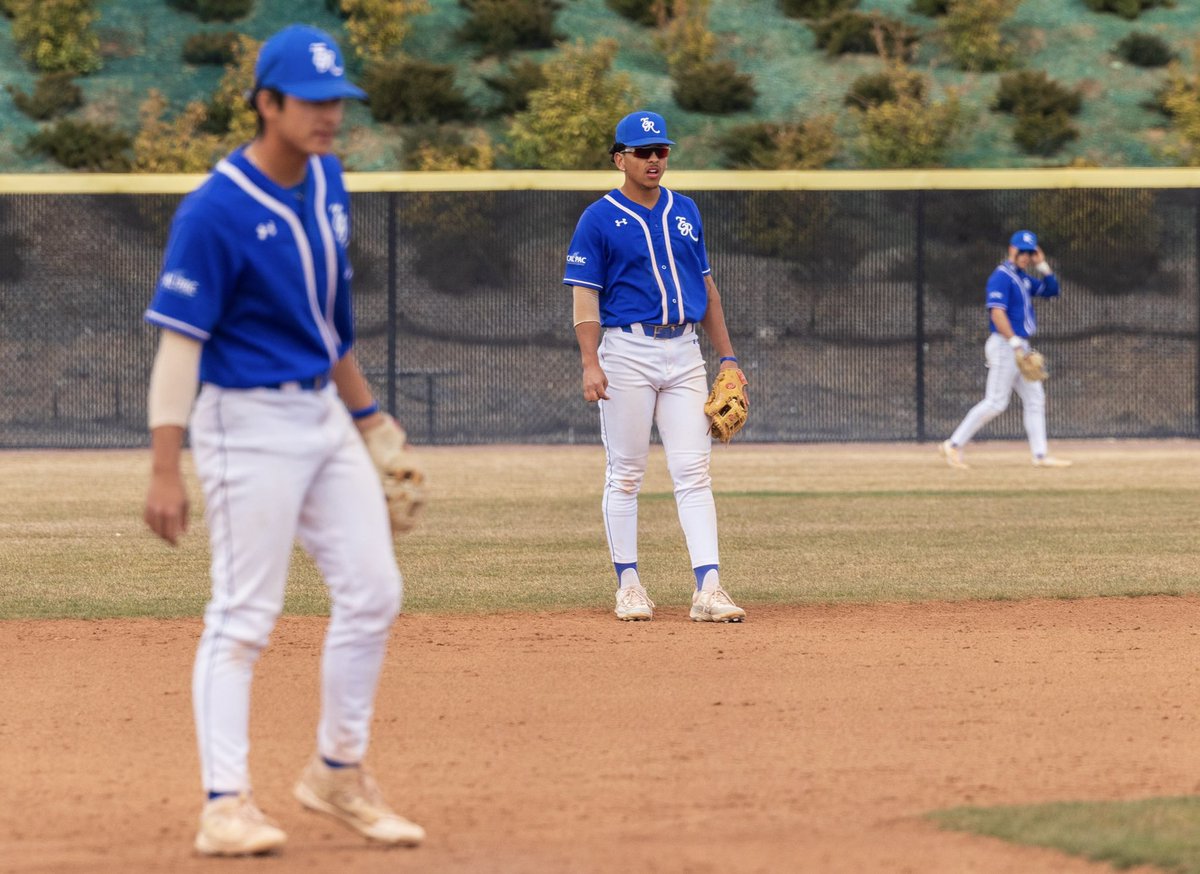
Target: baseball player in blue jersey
x,y
642,284
254,303
1010,292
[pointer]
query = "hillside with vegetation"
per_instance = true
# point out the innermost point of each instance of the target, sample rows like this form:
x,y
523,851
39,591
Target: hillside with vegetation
x,y
154,85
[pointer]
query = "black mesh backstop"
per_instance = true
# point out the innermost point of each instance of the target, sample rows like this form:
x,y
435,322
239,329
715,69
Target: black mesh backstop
x,y
857,315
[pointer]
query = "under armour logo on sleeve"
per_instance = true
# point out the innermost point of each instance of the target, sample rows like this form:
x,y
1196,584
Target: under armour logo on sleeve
x,y
621,221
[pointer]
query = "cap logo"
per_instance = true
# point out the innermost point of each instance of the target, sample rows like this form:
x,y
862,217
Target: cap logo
x,y
324,58
648,125
1027,238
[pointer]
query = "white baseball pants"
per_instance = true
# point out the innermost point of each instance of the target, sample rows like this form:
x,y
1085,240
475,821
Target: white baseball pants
x,y
659,382
277,464
1003,379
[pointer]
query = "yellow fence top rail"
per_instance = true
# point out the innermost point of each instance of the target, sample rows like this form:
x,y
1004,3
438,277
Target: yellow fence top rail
x,y
682,180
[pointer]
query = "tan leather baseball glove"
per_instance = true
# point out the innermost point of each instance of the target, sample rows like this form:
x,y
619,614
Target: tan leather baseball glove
x,y
727,407
1032,364
401,471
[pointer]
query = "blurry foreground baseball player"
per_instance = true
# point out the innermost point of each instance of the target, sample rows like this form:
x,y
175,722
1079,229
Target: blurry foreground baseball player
x,y
254,302
1010,292
641,283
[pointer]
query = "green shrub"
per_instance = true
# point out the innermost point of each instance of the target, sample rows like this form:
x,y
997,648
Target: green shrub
x,y
434,147
8,8
1032,91
57,35
859,33
1044,133
53,94
872,89
408,90
335,6
1145,50
83,145
377,28
215,10
215,49
814,10
808,145
1130,9
971,33
646,12
504,26
569,122
713,87
908,132
931,8
514,85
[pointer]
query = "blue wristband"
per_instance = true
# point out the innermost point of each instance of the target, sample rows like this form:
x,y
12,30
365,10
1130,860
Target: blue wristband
x,y
369,410
729,358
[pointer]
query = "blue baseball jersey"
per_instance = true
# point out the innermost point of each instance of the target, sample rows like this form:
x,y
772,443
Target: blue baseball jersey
x,y
260,274
648,264
1011,289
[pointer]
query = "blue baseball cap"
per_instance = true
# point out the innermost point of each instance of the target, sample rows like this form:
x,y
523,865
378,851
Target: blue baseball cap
x,y
643,128
1024,241
304,62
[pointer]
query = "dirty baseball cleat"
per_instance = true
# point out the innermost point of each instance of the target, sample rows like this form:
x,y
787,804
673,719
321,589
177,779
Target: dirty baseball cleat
x,y
953,455
715,605
1050,461
232,825
633,604
351,795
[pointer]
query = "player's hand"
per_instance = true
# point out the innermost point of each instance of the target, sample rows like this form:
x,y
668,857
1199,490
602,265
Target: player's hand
x,y
595,384
166,510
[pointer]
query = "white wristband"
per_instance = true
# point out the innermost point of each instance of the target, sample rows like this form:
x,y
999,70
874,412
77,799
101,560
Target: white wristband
x,y
1016,342
1043,268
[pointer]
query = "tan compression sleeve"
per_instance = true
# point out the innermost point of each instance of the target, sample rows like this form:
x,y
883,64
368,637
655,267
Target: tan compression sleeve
x,y
173,380
587,305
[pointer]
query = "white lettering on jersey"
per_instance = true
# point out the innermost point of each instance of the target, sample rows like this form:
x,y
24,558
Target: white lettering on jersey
x,y
576,258
265,229
685,228
324,58
180,284
341,224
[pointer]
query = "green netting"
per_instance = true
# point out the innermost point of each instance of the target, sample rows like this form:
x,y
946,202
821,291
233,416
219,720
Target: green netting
x,y
142,42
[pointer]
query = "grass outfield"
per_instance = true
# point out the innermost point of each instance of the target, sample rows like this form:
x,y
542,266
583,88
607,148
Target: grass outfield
x,y
518,528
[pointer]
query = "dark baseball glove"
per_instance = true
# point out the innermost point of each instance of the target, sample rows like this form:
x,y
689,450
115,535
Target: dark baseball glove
x,y
727,406
1032,364
401,471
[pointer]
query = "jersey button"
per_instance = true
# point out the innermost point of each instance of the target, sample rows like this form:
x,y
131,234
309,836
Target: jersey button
x,y
663,266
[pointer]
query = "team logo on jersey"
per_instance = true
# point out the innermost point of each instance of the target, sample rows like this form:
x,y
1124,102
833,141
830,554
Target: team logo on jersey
x,y
341,223
648,125
266,229
177,282
621,221
324,58
576,258
685,228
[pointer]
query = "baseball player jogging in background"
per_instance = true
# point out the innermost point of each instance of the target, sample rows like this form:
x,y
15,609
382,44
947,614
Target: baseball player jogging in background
x,y
254,302
1012,364
641,283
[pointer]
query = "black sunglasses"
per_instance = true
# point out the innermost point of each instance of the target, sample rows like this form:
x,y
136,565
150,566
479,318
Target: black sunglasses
x,y
644,152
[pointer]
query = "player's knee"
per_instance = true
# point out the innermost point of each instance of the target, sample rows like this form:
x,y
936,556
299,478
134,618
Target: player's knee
x,y
993,408
629,484
690,471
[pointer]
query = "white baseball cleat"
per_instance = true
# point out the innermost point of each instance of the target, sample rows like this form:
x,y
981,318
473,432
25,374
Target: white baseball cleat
x,y
1050,461
232,825
953,455
715,605
352,796
633,604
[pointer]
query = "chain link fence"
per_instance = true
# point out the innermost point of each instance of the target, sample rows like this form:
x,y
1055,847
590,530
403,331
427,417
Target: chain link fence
x,y
857,314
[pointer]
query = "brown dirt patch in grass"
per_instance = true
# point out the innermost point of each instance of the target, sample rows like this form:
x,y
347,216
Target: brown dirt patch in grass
x,y
809,738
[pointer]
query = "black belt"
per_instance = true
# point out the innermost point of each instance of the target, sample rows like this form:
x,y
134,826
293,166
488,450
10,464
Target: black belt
x,y
312,383
658,332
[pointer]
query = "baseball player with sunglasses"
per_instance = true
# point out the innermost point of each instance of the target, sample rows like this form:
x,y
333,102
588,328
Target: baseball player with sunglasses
x,y
1010,292
642,285
254,303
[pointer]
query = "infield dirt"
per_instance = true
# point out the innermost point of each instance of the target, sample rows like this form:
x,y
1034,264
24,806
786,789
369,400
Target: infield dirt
x,y
807,739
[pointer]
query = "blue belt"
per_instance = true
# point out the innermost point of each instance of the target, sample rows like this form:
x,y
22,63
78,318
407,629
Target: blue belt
x,y
658,332
312,383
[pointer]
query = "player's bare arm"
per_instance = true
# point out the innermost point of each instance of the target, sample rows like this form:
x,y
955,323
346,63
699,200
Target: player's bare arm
x,y
714,326
587,333
355,392
173,382
166,511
